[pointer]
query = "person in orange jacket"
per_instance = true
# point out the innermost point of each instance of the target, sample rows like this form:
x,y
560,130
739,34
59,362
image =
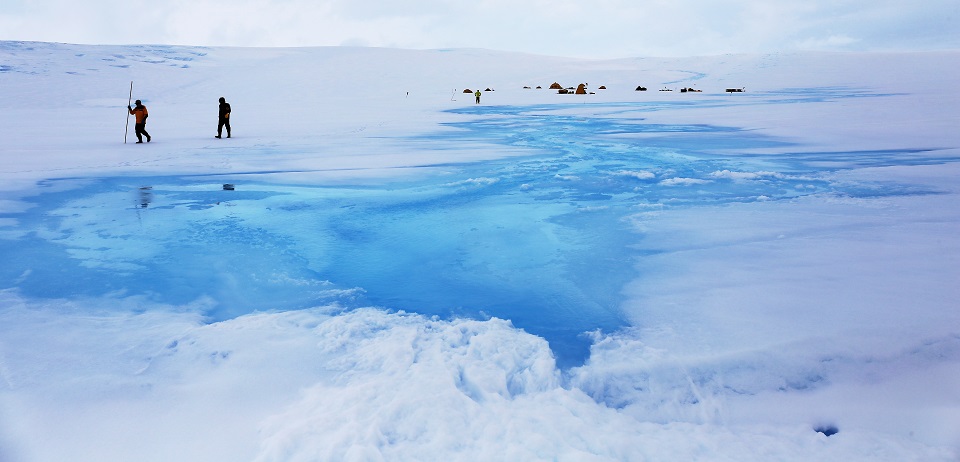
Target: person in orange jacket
x,y
140,112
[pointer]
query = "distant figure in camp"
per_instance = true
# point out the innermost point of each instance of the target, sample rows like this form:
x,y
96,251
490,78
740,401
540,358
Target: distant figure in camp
x,y
224,118
477,94
140,112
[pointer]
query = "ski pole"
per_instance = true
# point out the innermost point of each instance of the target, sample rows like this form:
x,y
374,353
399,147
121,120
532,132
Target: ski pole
x,y
127,128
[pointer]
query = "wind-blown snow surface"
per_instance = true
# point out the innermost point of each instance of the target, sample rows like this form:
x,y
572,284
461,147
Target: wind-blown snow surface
x,y
402,274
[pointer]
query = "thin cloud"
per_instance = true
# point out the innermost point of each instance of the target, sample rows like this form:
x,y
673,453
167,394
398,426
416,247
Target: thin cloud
x,y
606,28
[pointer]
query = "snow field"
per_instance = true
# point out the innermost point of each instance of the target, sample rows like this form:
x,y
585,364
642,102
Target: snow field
x,y
776,261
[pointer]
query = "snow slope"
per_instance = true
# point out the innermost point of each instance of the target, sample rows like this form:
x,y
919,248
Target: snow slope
x,y
402,274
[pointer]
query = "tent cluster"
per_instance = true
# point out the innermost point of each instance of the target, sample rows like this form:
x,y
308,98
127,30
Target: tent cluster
x,y
690,89
580,89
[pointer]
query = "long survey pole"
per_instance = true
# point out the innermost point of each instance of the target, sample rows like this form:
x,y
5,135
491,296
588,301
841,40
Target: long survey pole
x,y
129,99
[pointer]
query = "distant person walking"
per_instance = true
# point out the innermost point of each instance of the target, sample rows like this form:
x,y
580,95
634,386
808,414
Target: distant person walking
x,y
224,120
140,112
477,94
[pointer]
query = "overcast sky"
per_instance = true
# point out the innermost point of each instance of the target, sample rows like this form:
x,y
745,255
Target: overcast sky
x,y
575,28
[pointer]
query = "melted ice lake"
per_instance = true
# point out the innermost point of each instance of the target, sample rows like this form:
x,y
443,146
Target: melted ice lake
x,y
544,240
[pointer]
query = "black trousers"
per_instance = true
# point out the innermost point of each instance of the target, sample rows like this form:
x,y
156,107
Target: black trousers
x,y
223,123
141,132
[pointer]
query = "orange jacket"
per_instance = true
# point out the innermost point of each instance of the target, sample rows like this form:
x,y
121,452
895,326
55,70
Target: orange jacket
x,y
140,112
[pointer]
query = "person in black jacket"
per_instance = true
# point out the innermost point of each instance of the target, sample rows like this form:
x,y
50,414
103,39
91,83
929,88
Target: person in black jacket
x,y
224,118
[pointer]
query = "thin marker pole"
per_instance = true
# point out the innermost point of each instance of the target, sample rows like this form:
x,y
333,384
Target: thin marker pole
x,y
129,99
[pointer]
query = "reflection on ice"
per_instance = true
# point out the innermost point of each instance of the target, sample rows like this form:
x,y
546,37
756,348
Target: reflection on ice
x,y
145,195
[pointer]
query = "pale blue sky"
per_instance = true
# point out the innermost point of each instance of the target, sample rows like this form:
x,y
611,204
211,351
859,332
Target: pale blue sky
x,y
594,28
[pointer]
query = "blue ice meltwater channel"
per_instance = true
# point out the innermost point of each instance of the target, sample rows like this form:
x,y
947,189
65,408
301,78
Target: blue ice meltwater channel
x,y
540,239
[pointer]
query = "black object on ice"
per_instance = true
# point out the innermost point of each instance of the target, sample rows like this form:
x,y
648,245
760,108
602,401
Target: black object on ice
x,y
828,430
228,187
